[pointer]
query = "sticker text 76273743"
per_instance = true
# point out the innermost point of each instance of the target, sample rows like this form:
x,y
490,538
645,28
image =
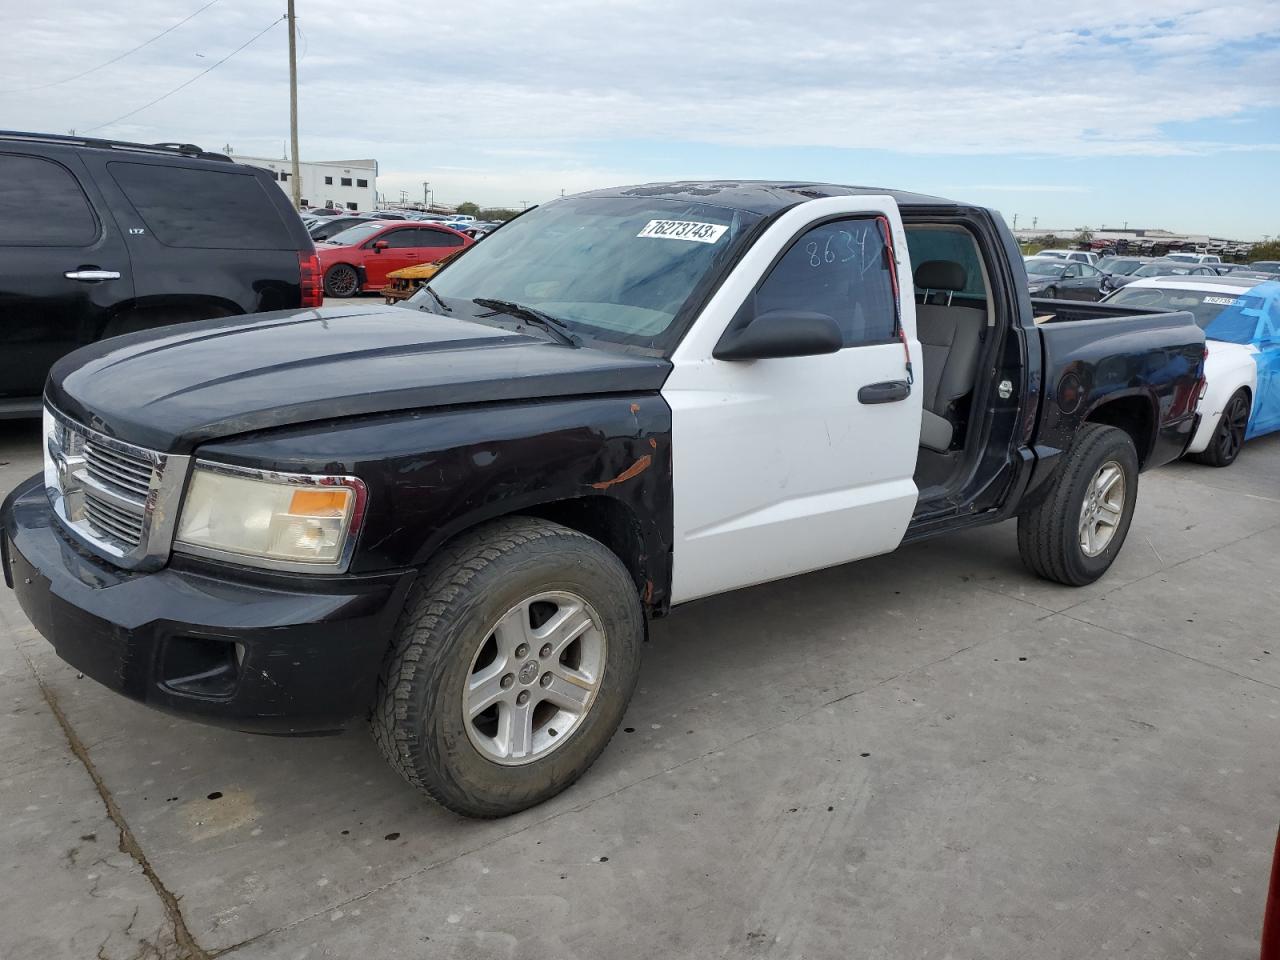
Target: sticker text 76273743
x,y
683,230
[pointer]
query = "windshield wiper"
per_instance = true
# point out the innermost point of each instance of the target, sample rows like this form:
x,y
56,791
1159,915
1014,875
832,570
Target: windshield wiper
x,y
553,325
436,297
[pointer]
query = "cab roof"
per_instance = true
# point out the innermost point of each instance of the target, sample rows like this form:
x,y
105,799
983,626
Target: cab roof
x,y
763,197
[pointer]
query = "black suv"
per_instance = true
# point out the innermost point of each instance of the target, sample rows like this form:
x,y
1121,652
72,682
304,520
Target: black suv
x,y
99,238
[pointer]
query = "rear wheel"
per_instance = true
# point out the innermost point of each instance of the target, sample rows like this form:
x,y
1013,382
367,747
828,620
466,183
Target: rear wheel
x,y
341,280
1228,437
1074,534
516,656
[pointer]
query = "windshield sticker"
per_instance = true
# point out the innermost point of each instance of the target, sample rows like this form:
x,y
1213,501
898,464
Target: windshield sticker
x,y
1222,301
683,230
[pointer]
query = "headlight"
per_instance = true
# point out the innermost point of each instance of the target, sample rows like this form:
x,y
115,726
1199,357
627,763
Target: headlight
x,y
286,521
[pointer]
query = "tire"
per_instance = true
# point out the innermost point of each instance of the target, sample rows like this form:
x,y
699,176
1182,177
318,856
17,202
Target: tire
x,y
1051,293
1228,435
1050,534
341,280
449,626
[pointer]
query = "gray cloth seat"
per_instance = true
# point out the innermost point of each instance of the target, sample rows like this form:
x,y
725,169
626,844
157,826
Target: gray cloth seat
x,y
950,339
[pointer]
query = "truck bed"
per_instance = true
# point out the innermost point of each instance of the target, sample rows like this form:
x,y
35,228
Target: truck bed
x,y
1072,311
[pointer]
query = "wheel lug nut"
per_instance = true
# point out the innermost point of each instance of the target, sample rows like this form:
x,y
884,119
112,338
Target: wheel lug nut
x,y
545,651
523,698
522,650
546,679
508,680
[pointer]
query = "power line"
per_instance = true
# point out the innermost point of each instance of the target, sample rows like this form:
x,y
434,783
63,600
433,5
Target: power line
x,y
163,33
188,83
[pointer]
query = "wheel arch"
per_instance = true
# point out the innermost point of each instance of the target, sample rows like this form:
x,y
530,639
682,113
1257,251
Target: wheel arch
x,y
608,519
1134,413
129,315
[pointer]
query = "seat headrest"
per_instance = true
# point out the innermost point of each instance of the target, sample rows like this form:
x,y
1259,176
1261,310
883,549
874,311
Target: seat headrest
x,y
941,275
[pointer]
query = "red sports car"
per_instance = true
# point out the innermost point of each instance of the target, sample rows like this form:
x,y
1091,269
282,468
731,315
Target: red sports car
x,y
360,257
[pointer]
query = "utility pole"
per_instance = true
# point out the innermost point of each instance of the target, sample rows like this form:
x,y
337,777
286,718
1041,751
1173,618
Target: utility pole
x,y
1015,222
294,178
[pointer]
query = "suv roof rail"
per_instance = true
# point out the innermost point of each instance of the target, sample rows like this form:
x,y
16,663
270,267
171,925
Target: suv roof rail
x,y
182,149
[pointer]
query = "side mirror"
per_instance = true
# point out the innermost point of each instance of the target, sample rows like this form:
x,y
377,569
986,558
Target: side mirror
x,y
380,245
781,333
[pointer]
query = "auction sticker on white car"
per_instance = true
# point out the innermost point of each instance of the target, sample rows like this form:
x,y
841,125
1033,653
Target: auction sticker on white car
x,y
1222,301
683,230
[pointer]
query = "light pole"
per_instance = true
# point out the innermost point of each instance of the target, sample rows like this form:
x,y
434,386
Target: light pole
x,y
293,108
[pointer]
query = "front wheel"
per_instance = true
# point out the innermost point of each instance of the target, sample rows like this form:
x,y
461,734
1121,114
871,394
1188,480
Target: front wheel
x,y
514,660
341,280
1228,436
1074,534
1051,293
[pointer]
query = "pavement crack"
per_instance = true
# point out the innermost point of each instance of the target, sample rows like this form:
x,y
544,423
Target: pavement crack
x,y
190,949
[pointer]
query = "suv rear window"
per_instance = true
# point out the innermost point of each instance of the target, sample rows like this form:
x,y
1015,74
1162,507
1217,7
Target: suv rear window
x,y
187,207
42,205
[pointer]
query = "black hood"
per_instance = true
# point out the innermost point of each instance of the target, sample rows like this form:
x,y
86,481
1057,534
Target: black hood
x,y
172,389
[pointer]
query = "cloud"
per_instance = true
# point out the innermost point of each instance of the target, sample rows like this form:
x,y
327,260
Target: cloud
x,y
515,89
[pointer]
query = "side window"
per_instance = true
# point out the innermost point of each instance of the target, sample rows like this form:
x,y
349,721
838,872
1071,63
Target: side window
x,y
1072,272
42,205
840,269
201,208
948,242
1087,271
400,239
438,238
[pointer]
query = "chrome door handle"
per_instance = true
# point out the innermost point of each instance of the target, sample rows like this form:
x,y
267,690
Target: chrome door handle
x,y
91,275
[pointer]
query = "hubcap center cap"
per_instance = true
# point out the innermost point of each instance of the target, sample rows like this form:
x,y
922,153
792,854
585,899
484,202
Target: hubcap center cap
x,y
528,672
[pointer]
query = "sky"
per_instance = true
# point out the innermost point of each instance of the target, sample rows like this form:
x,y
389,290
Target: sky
x,y
1091,113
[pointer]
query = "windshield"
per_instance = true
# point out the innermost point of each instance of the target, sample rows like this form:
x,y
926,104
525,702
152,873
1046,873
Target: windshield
x,y
353,235
1118,265
614,268
1221,314
1046,268
1173,269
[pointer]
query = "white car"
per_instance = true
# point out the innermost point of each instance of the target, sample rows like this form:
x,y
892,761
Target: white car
x,y
1241,321
1080,256
1194,257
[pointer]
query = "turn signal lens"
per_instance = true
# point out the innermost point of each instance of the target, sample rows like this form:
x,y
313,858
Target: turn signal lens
x,y
320,503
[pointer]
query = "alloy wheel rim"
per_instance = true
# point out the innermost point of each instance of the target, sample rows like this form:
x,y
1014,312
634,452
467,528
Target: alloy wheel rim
x,y
1103,508
534,678
1231,437
343,280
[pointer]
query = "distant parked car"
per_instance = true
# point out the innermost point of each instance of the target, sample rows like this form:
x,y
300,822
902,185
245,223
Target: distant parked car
x,y
1118,266
1164,267
1187,257
101,237
359,258
1065,280
331,226
327,211
389,215
1080,256
1266,266
1241,323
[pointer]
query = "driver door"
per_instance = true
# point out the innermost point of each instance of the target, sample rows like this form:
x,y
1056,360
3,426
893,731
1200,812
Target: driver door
x,y
795,463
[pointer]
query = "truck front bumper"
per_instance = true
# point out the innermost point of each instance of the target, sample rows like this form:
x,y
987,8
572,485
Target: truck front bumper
x,y
284,654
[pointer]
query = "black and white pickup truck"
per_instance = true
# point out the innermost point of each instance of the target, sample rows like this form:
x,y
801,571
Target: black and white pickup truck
x,y
455,516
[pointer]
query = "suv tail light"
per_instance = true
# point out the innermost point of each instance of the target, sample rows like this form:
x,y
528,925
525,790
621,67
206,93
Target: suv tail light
x,y
310,280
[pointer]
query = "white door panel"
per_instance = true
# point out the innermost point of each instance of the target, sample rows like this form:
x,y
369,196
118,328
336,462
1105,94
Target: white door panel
x,y
778,468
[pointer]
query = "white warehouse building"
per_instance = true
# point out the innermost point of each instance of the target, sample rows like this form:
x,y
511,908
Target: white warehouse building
x,y
346,184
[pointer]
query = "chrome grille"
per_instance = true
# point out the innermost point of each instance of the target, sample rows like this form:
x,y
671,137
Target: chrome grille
x,y
116,498
129,473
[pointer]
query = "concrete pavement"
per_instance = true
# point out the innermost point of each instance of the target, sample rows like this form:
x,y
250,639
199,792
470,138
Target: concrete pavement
x,y
929,754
